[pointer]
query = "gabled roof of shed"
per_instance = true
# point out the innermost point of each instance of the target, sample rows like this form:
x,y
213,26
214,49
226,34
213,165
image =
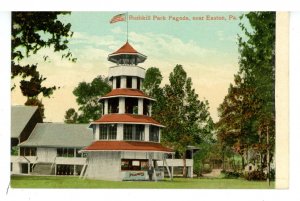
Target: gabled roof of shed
x,y
59,135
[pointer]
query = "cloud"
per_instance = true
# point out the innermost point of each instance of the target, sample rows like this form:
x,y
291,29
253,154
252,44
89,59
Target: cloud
x,y
210,69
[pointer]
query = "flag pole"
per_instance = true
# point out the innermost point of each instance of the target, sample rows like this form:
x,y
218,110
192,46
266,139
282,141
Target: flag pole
x,y
127,24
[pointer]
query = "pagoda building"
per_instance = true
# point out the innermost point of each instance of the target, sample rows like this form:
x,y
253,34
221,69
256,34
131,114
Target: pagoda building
x,y
126,138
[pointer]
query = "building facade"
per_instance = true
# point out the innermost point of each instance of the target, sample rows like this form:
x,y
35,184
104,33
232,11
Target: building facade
x,y
52,149
126,138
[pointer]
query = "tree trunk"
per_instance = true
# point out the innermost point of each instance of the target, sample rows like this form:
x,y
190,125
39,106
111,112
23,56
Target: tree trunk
x,y
184,173
243,162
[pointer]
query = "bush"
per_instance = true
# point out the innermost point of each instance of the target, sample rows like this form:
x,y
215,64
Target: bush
x,y
272,174
206,169
256,176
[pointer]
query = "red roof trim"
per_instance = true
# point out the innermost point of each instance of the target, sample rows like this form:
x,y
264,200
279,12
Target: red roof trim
x,y
126,146
126,118
126,92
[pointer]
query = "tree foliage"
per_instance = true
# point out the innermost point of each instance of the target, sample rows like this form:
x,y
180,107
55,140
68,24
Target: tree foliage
x,y
30,32
247,113
87,98
186,118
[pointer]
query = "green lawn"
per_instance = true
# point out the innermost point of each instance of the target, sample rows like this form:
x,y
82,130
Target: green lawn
x,y
177,183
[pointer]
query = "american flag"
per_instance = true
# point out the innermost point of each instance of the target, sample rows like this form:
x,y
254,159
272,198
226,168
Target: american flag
x,y
118,18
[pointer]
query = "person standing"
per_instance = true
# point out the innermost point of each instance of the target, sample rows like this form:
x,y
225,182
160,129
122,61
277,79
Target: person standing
x,y
150,172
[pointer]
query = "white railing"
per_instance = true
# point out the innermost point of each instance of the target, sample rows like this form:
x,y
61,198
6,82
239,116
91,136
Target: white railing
x,y
70,161
23,159
123,70
176,162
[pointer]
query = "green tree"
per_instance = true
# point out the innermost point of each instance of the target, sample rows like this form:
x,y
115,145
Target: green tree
x,y
152,81
247,115
87,98
151,86
30,32
184,115
71,116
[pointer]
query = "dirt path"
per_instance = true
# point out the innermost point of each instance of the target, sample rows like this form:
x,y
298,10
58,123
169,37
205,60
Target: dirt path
x,y
214,173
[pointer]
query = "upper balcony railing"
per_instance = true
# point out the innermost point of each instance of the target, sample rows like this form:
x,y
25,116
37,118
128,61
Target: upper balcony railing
x,y
126,70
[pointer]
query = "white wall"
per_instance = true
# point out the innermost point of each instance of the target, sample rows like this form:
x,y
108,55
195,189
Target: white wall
x,y
104,166
46,155
141,155
126,71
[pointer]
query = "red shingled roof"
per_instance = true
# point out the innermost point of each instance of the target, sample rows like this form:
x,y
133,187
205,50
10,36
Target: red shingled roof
x,y
126,48
126,118
126,92
126,146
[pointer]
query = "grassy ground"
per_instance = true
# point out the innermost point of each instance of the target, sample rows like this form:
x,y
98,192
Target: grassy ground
x,y
177,183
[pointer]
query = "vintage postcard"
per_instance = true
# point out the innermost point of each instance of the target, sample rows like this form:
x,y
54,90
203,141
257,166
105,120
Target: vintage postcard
x,y
151,100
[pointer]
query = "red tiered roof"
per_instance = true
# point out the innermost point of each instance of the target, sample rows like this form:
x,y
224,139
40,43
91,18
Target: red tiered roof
x,y
126,118
126,48
126,92
126,146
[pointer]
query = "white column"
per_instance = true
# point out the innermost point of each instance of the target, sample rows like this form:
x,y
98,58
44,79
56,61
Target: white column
x,y
122,105
140,106
147,129
105,106
159,132
120,131
134,82
150,109
123,82
97,131
114,82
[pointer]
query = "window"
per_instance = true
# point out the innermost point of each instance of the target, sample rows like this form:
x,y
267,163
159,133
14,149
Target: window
x,y
128,132
113,105
112,132
103,132
129,164
128,82
108,132
131,105
28,151
118,82
65,152
138,83
154,134
146,106
139,132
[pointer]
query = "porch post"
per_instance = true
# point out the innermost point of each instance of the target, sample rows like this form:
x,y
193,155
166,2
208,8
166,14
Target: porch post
x,y
172,168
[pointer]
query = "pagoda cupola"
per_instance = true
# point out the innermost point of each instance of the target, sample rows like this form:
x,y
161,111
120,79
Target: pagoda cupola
x,y
127,55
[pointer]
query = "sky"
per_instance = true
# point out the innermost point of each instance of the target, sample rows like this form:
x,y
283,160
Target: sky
x,y
205,45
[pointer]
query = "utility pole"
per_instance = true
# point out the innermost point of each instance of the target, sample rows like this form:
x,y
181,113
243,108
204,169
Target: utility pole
x,y
268,157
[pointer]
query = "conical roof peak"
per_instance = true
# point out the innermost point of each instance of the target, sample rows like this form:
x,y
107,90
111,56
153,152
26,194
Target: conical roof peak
x,y
127,55
126,48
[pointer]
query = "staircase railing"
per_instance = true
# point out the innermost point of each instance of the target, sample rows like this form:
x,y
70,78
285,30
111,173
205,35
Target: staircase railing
x,y
54,163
